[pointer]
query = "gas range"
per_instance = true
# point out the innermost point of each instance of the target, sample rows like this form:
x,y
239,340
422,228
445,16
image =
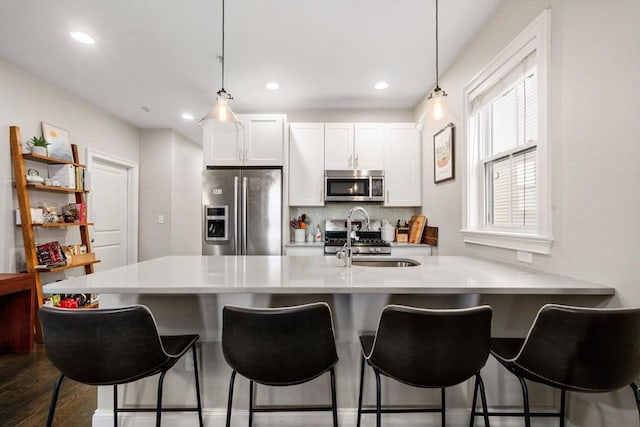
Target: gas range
x,y
366,242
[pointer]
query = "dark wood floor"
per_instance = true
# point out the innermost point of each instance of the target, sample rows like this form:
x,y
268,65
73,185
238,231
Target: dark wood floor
x,y
26,384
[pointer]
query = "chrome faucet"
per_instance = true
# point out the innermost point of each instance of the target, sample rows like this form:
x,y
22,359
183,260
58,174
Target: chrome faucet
x,y
346,253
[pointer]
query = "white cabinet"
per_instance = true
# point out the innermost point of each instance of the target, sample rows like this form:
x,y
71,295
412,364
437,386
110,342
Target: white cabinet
x,y
368,151
354,146
338,146
306,165
259,143
403,165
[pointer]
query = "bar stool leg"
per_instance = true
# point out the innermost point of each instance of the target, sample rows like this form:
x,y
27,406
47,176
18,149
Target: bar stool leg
x,y
362,363
378,400
250,403
159,404
115,405
197,377
483,396
334,401
54,400
562,406
636,394
443,406
525,398
230,399
474,402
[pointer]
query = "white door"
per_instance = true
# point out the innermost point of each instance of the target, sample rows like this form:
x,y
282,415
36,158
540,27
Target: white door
x,y
109,210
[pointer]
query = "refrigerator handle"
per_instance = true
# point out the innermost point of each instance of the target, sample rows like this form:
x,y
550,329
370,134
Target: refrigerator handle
x,y
235,210
244,215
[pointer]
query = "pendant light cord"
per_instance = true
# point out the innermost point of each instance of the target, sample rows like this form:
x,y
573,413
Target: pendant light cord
x,y
437,82
222,60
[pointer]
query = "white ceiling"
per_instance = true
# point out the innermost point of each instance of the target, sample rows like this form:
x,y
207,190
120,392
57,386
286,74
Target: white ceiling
x,y
161,54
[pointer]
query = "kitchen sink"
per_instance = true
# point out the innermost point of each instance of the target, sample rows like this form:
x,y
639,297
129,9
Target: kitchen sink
x,y
384,262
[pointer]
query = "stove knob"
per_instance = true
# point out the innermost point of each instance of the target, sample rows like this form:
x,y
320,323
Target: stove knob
x,y
377,250
372,250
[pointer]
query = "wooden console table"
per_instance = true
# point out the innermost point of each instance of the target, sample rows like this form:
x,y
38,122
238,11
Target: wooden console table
x,y
17,312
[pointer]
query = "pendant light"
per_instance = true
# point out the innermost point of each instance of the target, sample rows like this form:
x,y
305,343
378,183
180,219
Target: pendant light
x,y
222,111
435,100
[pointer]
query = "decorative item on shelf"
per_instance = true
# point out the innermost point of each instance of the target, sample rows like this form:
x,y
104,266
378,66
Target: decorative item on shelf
x,y
37,216
74,212
38,146
51,255
64,175
33,177
59,144
50,214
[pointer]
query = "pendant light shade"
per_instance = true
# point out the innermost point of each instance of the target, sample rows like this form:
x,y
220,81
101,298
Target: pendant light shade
x,y
222,112
436,107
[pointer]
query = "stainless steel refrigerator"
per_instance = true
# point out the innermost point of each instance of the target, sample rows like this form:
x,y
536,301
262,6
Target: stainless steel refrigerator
x,y
242,211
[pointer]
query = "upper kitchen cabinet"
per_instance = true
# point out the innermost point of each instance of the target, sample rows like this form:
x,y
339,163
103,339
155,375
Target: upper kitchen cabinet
x,y
259,143
306,166
354,146
402,159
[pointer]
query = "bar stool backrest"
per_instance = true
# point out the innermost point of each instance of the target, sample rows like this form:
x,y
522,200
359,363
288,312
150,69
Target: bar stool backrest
x,y
279,346
431,348
102,346
583,349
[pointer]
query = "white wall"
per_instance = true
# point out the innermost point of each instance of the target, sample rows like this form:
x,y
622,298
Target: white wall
x,y
25,101
594,128
170,185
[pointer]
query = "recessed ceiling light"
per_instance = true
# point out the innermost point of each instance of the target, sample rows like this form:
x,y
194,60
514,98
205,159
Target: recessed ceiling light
x,y
187,116
272,86
381,85
82,37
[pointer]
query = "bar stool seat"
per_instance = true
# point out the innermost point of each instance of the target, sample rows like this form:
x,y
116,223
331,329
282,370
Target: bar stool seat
x,y
591,350
111,347
428,349
279,347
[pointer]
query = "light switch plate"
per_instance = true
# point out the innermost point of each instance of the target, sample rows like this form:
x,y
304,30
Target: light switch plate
x,y
524,257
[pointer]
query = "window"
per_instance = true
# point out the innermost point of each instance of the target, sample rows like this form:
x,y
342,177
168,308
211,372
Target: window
x,y
506,198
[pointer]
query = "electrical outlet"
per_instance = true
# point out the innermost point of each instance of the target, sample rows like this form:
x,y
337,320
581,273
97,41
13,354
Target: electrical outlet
x,y
524,257
160,219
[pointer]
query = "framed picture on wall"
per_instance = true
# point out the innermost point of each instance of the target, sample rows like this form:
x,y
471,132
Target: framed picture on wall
x,y
443,154
58,138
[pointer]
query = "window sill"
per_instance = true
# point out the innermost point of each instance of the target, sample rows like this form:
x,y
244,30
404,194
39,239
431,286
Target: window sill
x,y
516,241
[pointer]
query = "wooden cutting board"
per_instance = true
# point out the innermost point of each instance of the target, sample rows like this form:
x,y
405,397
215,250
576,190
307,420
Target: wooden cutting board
x,y
416,226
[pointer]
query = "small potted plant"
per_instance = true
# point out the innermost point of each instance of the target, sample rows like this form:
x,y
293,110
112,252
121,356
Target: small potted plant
x,y
39,145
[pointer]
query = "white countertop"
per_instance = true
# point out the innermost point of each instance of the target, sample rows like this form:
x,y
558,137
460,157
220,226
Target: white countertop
x,y
321,274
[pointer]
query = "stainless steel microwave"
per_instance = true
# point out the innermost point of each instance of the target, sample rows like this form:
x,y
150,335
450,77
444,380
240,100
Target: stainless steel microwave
x,y
353,186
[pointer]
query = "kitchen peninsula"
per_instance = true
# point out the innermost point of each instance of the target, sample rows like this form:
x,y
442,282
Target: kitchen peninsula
x,y
187,293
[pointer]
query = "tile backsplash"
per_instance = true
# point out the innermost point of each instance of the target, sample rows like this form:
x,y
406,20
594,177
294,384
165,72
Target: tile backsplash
x,y
339,211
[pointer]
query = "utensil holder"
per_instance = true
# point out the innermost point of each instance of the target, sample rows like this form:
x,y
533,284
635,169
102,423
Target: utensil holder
x,y
298,235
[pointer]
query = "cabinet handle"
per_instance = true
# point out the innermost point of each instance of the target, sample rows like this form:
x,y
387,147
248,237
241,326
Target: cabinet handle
x,y
387,196
356,162
239,154
350,160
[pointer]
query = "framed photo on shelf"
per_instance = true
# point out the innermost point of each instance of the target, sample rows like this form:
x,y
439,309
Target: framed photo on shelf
x,y
443,154
58,138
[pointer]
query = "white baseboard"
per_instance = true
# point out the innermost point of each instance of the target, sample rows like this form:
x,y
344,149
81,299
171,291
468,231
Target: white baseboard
x,y
346,418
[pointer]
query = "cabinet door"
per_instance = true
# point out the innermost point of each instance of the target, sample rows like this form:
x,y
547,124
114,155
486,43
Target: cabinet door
x,y
223,144
369,146
306,166
403,160
338,146
264,139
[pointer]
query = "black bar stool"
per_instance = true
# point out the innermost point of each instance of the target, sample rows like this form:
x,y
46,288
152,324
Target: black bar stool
x,y
428,349
279,347
110,347
591,350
